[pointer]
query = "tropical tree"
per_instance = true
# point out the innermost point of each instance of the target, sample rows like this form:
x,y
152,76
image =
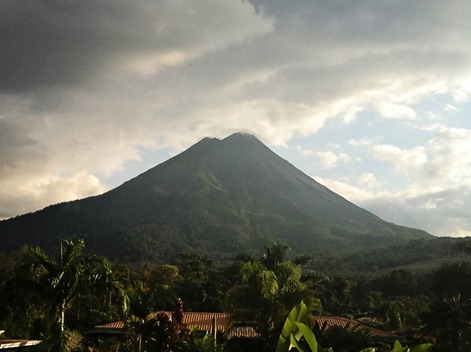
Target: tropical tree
x,y
447,322
449,318
195,286
57,282
273,255
452,279
266,291
158,331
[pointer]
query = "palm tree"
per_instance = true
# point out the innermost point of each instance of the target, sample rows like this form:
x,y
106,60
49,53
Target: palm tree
x,y
450,315
267,290
273,255
58,281
447,320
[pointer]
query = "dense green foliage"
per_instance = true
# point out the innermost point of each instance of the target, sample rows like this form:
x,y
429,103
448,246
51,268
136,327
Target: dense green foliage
x,y
296,335
43,294
39,294
267,289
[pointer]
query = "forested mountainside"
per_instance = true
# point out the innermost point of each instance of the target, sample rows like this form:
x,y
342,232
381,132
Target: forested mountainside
x,y
218,197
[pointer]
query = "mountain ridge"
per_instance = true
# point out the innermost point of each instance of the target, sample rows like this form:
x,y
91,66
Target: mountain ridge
x,y
220,196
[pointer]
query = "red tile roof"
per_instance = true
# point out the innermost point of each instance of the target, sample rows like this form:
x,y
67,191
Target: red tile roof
x,y
346,323
10,344
113,325
202,321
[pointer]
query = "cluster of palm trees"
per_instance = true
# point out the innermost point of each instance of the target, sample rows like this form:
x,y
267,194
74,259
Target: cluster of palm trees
x,y
50,285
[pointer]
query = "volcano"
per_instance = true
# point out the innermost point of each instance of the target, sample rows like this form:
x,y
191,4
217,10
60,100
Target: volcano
x,y
220,197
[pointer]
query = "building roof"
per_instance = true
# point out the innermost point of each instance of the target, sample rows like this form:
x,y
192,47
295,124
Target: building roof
x,y
202,321
11,344
349,323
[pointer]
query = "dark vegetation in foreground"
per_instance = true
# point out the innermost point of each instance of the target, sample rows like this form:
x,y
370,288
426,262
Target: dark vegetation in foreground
x,y
420,291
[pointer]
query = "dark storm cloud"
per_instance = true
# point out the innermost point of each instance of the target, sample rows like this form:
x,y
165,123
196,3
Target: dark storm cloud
x,y
48,43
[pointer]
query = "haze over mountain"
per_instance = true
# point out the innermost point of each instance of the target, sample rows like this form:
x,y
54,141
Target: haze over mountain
x,y
219,197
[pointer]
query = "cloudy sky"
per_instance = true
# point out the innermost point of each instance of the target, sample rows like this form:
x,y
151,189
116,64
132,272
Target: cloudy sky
x,y
371,98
